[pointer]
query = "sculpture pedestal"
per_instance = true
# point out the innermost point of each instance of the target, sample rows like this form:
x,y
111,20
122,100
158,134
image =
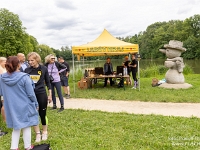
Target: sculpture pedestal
x,y
175,86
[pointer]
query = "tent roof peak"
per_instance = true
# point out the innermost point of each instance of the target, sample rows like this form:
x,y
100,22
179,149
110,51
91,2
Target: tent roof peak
x,y
107,44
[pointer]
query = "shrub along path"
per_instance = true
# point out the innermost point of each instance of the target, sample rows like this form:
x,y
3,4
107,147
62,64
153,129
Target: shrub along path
x,y
136,107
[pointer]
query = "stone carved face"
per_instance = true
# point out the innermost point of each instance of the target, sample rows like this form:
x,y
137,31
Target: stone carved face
x,y
172,53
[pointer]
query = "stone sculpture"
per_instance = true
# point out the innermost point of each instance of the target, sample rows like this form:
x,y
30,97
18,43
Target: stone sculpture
x,y
174,62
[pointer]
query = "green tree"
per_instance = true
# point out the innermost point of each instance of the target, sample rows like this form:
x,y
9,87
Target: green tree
x,y
34,43
192,44
66,53
194,24
160,33
43,51
13,38
149,40
56,52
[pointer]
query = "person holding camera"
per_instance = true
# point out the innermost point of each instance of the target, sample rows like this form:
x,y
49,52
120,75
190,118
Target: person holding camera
x,y
54,69
40,76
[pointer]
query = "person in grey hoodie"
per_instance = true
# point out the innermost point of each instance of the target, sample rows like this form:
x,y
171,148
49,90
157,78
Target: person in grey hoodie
x,y
19,101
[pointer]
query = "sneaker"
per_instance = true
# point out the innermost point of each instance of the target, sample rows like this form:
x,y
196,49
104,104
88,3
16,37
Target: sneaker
x,y
54,107
29,148
44,136
61,109
133,87
135,84
38,137
67,96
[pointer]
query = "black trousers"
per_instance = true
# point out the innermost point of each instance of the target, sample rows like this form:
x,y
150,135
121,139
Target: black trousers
x,y
0,104
42,101
134,76
105,82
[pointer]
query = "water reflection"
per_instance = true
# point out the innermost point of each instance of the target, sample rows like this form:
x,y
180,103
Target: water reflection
x,y
144,63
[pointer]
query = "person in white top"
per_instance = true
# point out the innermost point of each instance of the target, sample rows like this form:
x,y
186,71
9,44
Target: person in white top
x,y
2,70
2,65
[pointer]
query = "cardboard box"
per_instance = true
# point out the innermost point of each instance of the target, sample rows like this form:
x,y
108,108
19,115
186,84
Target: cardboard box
x,y
84,83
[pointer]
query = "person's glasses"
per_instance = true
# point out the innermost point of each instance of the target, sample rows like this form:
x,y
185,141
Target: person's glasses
x,y
52,58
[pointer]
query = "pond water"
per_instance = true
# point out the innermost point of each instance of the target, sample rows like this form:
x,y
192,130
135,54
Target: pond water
x,y
144,63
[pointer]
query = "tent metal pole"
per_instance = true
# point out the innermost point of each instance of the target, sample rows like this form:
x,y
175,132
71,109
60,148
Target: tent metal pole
x,y
83,60
73,72
139,74
138,58
130,79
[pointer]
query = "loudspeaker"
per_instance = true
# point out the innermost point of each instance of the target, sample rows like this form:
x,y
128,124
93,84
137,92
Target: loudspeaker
x,y
120,70
98,70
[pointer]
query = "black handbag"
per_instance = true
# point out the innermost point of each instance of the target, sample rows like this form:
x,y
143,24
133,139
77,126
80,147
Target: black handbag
x,y
51,79
41,147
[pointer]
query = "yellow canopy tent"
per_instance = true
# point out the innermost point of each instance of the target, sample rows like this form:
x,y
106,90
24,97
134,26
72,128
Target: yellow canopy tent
x,y
105,44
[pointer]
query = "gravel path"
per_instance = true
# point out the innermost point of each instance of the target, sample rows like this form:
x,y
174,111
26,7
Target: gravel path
x,y
135,107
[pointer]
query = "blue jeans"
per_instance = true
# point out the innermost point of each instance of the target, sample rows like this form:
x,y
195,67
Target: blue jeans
x,y
57,85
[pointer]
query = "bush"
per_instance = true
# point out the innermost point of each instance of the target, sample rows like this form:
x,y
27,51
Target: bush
x,y
155,70
78,75
151,71
187,70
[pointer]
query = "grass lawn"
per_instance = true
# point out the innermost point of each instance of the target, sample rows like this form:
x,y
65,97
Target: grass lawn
x,y
146,93
89,130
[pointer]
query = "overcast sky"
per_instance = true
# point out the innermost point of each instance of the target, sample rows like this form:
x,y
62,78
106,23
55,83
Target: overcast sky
x,y
59,23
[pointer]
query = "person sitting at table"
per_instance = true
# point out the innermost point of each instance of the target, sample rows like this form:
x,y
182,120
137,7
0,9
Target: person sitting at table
x,y
108,70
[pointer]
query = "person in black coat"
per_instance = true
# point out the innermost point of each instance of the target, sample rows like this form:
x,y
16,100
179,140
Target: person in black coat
x,y
134,68
108,70
64,77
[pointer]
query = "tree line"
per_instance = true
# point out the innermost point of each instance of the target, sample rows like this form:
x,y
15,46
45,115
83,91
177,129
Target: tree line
x,y
14,38
160,33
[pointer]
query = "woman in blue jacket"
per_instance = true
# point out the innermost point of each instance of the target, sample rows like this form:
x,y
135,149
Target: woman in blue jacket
x,y
20,102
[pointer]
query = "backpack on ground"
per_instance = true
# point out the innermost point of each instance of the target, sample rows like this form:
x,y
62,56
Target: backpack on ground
x,y
154,82
42,147
121,83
